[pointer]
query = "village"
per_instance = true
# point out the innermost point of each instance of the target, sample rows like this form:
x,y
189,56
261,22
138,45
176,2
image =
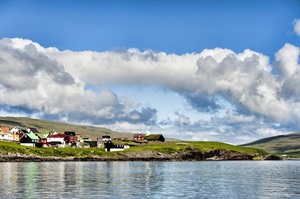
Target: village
x,y
31,137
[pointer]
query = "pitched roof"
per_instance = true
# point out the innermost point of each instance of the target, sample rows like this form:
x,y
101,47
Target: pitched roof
x,y
153,136
33,130
57,136
32,136
5,129
43,135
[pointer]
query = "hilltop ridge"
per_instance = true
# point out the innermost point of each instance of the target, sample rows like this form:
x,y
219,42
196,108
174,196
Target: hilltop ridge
x,y
282,144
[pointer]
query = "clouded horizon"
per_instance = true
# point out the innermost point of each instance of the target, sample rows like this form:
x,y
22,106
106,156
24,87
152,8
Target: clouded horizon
x,y
231,95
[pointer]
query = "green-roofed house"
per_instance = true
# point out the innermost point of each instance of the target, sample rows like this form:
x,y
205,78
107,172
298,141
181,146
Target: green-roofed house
x,y
154,138
43,138
29,139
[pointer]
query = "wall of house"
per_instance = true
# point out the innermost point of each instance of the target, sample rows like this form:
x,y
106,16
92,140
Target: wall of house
x,y
15,137
5,136
56,140
28,144
115,149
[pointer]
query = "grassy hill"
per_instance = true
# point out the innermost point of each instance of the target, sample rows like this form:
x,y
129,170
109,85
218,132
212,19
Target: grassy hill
x,y
45,125
282,144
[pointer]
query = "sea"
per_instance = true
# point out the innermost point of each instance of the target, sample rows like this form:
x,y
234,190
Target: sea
x,y
196,179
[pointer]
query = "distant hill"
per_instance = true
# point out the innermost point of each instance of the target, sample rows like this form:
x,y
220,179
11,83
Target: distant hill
x,y
282,144
45,125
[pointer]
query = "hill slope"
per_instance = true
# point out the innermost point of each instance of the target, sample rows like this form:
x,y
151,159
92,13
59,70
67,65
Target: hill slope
x,y
282,144
45,125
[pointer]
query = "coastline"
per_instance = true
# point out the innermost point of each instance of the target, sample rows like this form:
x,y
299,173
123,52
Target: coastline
x,y
215,155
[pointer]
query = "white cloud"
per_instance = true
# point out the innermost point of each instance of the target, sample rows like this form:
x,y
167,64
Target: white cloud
x,y
54,82
297,26
33,81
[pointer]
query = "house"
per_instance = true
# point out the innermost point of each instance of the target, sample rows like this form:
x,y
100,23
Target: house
x,y
5,134
16,133
79,136
56,140
155,138
71,138
109,146
92,144
138,137
28,139
43,138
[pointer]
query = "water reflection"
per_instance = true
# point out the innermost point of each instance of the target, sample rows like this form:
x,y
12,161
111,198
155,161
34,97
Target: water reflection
x,y
150,179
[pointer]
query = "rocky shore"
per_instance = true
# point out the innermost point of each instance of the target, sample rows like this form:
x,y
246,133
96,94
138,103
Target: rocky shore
x,y
214,155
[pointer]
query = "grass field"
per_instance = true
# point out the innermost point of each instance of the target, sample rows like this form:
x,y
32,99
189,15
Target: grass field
x,y
165,148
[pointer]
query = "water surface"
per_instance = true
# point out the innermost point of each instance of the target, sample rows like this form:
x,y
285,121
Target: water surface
x,y
224,179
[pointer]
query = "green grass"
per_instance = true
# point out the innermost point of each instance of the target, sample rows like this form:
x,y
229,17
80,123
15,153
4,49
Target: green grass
x,y
56,152
172,147
166,148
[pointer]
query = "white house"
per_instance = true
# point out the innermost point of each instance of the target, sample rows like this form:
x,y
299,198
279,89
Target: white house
x,y
5,134
56,139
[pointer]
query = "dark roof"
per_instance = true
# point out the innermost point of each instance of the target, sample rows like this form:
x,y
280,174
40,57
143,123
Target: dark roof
x,y
33,130
154,137
72,133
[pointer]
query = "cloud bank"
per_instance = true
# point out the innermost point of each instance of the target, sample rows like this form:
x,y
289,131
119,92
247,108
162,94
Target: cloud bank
x,y
246,86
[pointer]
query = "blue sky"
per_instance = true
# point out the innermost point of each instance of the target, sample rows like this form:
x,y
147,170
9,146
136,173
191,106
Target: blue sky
x,y
202,70
169,26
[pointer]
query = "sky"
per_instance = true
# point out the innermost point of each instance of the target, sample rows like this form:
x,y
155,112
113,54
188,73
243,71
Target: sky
x,y
194,70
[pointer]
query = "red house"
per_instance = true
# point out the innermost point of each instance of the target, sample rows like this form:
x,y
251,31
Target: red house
x,y
138,137
71,138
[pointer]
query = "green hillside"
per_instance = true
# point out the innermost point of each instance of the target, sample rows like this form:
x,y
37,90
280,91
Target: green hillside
x,y
282,144
45,125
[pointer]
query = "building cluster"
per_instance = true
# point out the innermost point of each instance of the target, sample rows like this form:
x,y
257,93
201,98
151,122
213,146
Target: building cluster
x,y
32,137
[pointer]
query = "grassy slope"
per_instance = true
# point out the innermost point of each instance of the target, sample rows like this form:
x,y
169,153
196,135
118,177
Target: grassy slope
x,y
283,144
166,148
44,125
201,146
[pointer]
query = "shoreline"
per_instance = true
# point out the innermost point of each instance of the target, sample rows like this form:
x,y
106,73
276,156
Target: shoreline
x,y
141,156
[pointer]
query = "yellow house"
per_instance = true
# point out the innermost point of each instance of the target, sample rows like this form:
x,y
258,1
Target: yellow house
x,y
15,133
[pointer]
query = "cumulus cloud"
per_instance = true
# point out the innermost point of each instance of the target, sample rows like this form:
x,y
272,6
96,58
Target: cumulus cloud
x,y
55,82
297,26
32,82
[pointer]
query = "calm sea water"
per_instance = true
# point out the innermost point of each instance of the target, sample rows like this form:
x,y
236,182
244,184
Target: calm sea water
x,y
224,179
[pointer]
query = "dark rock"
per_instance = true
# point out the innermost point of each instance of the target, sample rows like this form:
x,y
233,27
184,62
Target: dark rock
x,y
272,157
